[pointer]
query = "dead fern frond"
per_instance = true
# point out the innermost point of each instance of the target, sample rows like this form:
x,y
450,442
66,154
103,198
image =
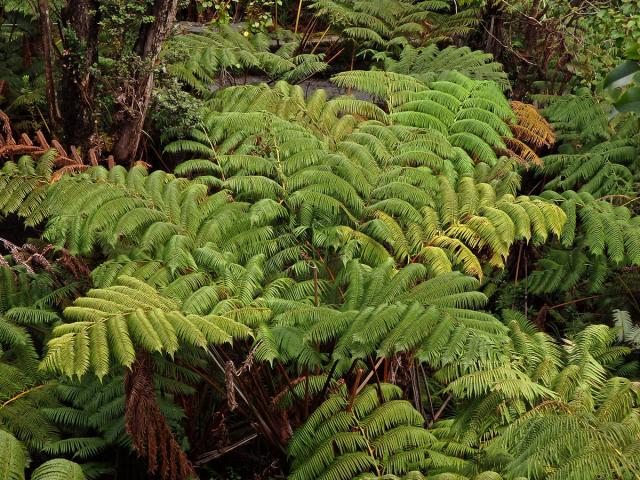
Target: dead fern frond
x,y
531,133
531,127
152,437
522,152
10,148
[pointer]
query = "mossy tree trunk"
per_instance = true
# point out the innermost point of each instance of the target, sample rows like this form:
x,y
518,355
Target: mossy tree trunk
x,y
134,101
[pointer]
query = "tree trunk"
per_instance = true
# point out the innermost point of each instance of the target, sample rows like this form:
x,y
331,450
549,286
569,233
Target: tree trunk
x,y
80,18
135,102
47,44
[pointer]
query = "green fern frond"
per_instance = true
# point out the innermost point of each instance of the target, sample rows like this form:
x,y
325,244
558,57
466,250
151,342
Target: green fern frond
x,y
110,323
13,457
58,469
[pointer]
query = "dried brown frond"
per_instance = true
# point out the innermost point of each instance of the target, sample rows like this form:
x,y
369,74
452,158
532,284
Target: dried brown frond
x,y
523,154
45,258
7,137
531,127
229,381
10,148
140,163
531,133
59,173
152,437
72,264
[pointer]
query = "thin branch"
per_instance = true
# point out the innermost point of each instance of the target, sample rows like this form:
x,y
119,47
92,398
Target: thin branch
x,y
20,395
212,455
508,47
574,301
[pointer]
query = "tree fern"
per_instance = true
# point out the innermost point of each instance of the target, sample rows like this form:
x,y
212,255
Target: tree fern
x,y
109,324
551,444
429,63
606,169
200,60
297,172
32,288
325,275
597,234
628,332
381,28
374,432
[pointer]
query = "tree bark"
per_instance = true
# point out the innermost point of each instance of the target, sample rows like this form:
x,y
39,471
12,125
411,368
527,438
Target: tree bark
x,y
80,25
47,44
135,102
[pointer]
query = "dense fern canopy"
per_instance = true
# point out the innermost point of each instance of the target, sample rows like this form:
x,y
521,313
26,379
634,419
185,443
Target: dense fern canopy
x,y
406,270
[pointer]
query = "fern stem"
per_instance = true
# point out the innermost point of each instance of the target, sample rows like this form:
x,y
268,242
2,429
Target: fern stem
x,y
288,380
313,50
354,389
298,16
335,55
213,149
426,384
368,377
20,395
513,304
375,372
213,454
578,300
315,285
440,411
370,451
306,392
307,34
325,387
266,429
415,385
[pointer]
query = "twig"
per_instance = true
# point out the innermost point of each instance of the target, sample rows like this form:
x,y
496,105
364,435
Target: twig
x,y
574,301
212,455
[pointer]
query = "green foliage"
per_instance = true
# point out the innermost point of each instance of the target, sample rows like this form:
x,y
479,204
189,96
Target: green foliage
x,y
581,438
13,458
581,116
110,323
326,275
432,142
611,35
14,461
201,60
24,186
33,287
579,398
621,85
596,238
429,63
627,331
386,26
58,469
347,437
598,155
